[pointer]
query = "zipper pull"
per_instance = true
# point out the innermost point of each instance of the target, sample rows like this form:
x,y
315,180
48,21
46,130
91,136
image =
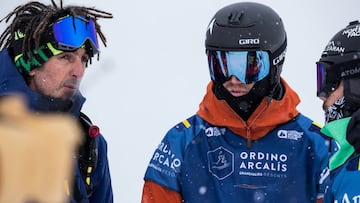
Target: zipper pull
x,y
248,143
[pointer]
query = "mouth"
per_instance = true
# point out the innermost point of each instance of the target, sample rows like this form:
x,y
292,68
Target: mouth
x,y
238,92
71,84
73,87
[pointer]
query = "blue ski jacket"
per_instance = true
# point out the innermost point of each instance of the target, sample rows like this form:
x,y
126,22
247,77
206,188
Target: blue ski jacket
x,y
11,82
277,155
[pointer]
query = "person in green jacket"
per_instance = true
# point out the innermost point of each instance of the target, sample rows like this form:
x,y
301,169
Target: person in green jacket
x,y
338,85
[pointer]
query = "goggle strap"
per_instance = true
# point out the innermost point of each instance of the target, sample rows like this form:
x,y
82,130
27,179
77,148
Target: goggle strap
x,y
39,57
18,35
350,69
54,51
277,58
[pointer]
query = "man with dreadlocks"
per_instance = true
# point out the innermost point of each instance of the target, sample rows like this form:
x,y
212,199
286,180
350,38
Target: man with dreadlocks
x,y
45,50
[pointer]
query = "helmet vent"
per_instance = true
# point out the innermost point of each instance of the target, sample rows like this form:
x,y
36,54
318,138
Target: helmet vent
x,y
354,23
235,17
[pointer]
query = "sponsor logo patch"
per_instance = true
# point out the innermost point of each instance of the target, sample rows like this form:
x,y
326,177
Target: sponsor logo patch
x,y
290,134
221,162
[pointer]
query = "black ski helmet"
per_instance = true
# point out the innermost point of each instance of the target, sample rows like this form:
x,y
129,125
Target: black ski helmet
x,y
340,60
248,26
344,46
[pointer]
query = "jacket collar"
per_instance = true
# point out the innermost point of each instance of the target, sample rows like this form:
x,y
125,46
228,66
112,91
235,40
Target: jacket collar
x,y
269,114
337,130
345,132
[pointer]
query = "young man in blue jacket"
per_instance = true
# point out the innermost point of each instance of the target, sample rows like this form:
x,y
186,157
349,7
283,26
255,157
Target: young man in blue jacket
x,y
247,142
338,85
45,50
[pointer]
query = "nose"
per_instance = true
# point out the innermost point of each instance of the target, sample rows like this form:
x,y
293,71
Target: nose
x,y
78,67
234,79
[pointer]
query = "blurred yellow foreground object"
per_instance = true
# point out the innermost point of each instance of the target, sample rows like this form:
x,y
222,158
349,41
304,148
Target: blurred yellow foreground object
x,y
36,153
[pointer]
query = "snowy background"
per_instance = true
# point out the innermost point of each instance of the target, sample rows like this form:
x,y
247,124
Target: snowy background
x,y
153,74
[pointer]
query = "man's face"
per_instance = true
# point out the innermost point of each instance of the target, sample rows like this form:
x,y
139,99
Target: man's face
x,y
61,75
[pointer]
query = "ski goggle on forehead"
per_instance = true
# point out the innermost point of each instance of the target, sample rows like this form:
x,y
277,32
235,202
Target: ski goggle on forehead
x,y
71,32
246,66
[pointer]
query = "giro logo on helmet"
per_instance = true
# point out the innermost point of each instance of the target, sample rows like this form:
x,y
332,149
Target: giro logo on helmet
x,y
278,59
249,41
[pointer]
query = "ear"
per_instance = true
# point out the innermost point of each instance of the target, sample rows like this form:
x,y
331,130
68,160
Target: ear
x,y
32,73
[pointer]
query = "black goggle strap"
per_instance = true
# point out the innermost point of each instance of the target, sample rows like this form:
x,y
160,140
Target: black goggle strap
x,y
36,58
350,69
277,59
351,75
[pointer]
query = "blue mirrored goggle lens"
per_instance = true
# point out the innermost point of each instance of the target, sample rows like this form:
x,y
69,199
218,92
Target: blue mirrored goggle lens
x,y
72,32
247,66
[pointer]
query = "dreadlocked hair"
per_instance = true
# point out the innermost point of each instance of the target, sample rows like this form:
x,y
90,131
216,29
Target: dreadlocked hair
x,y
35,17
